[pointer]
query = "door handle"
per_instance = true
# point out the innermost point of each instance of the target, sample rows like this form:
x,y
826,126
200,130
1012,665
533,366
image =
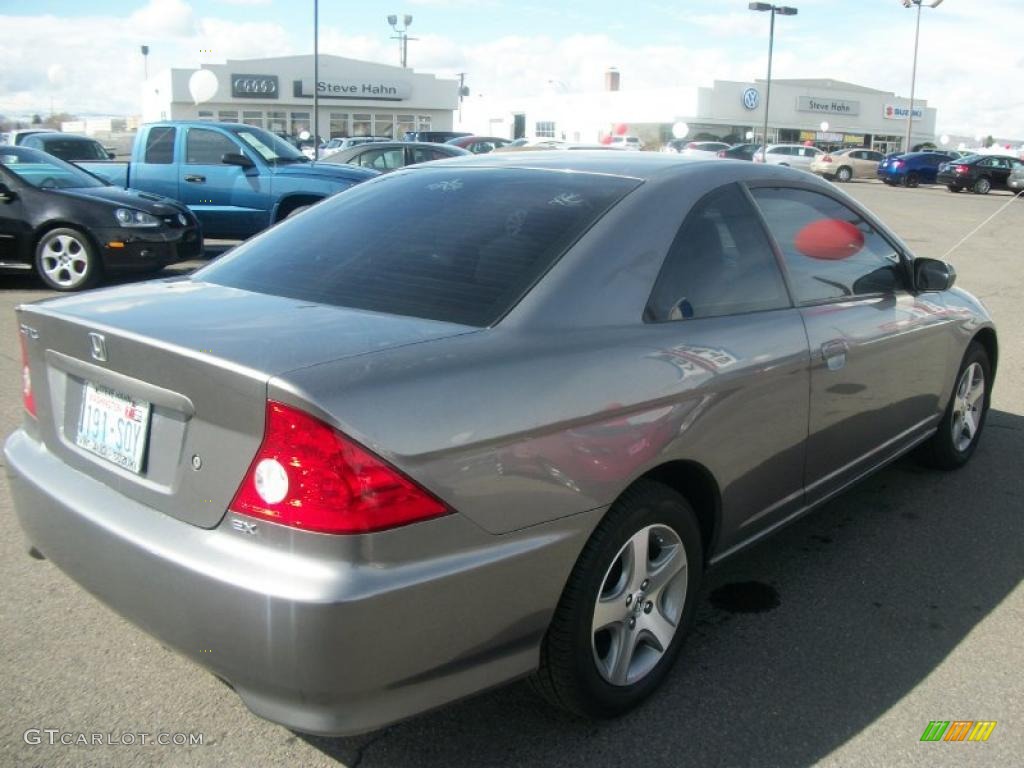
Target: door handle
x,y
195,179
834,353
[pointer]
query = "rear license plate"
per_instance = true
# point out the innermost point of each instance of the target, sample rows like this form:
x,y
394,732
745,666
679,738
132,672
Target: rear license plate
x,y
113,426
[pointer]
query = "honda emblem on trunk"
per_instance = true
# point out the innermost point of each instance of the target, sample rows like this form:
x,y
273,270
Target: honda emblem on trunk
x,y
99,347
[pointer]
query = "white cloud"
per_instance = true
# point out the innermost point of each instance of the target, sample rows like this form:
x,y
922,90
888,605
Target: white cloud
x,y
164,18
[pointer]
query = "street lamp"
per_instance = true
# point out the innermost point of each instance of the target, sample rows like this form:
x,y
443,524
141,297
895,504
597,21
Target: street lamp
x,y
402,34
145,60
782,10
913,75
316,80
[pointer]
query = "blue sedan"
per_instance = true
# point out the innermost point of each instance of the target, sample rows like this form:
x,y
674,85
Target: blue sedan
x,y
912,169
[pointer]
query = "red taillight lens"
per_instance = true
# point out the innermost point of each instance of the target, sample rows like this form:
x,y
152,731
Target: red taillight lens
x,y
961,168
897,163
721,153
27,398
308,475
692,145
827,159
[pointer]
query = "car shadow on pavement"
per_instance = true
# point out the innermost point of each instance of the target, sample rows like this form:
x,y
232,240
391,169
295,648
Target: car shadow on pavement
x,y
801,642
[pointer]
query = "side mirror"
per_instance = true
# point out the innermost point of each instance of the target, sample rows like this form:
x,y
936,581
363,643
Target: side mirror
x,y
110,155
933,275
7,194
236,158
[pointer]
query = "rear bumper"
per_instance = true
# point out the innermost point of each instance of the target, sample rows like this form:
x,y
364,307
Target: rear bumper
x,y
952,179
326,635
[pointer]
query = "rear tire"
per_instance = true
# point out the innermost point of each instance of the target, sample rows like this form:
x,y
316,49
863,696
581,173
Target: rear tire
x,y
982,186
912,180
594,662
962,424
844,174
953,188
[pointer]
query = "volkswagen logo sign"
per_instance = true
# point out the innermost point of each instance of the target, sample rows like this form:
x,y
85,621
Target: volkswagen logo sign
x,y
751,98
254,86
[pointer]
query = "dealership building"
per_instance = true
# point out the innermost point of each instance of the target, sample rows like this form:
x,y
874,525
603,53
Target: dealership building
x,y
356,98
728,110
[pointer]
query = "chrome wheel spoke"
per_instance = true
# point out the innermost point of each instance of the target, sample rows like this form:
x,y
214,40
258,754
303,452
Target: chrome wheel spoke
x,y
660,629
671,561
635,556
968,405
622,657
609,611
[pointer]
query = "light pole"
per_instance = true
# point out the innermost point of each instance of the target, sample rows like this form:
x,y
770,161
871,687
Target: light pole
x,y
402,35
145,60
782,10
913,74
316,80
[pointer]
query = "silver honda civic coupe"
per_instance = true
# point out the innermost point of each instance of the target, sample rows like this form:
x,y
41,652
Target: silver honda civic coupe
x,y
482,419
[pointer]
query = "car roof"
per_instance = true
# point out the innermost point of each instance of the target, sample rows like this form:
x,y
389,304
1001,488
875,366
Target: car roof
x,y
637,165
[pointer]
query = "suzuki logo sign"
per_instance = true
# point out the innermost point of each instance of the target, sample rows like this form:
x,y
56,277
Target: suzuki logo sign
x,y
254,86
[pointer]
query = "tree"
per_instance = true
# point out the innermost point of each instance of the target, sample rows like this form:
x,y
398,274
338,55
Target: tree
x,y
36,120
989,141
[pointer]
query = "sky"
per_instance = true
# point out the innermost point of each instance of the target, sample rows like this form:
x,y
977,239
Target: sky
x,y
82,56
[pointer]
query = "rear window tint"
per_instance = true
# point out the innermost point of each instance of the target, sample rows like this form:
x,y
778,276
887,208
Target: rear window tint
x,y
160,145
456,244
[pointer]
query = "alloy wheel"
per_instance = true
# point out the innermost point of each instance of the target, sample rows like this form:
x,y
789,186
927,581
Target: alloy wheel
x,y
65,259
640,604
968,405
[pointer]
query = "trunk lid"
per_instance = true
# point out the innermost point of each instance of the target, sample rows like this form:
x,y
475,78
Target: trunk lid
x,y
200,355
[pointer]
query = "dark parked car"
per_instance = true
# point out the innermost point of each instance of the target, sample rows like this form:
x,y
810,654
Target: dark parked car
x,y
433,137
71,227
978,173
479,145
912,168
68,146
482,419
1016,180
739,152
389,156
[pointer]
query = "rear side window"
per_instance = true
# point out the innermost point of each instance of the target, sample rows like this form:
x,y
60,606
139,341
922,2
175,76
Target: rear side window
x,y
456,244
205,147
160,144
382,159
830,251
720,263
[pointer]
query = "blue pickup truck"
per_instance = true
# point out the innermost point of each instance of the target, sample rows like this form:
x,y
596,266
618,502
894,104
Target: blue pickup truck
x,y
236,178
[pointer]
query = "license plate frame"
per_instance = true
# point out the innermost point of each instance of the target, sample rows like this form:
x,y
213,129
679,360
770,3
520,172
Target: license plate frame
x,y
114,426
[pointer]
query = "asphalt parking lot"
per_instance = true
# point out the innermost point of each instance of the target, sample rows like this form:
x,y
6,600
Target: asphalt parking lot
x,y
833,643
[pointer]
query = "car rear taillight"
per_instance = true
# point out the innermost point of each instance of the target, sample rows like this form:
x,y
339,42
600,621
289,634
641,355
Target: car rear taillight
x,y
692,145
896,164
827,159
961,168
721,153
27,398
308,475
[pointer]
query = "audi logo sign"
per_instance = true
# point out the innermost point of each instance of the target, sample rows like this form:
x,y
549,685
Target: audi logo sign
x,y
254,86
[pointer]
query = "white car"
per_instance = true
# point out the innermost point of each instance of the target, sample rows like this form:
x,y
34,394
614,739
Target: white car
x,y
705,149
627,142
793,155
338,144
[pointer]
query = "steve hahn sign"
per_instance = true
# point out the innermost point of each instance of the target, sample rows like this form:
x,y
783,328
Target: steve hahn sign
x,y
827,106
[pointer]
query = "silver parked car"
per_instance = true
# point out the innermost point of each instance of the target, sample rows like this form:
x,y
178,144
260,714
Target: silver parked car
x,y
484,418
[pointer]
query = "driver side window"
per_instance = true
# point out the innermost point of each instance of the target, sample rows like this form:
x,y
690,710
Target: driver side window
x,y
830,251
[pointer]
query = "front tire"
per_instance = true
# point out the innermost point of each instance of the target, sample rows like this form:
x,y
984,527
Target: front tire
x,y
961,426
627,605
66,260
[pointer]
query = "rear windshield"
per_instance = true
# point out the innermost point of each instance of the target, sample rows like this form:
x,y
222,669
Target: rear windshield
x,y
70,149
456,244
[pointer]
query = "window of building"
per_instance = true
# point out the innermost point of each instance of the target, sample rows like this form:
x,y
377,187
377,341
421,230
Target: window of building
x,y
406,124
277,122
830,251
423,122
362,125
339,125
300,122
228,116
205,114
160,145
204,147
720,263
254,119
383,125
544,130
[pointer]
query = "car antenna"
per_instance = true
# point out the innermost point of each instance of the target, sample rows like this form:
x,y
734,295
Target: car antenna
x,y
974,231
